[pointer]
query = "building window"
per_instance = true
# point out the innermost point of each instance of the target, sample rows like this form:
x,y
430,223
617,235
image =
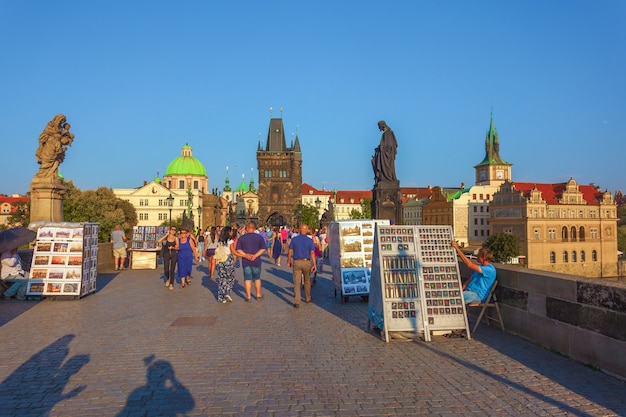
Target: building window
x,y
551,234
552,258
475,209
536,234
487,196
475,232
574,256
582,256
482,209
581,233
551,214
195,185
473,196
181,184
593,233
565,257
482,233
481,196
594,256
564,233
482,221
580,214
535,214
573,233
475,221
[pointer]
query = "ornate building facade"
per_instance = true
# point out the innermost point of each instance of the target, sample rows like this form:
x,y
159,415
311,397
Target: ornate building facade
x,y
179,194
564,227
280,177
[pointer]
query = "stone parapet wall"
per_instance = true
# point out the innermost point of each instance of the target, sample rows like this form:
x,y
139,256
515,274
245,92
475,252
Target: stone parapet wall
x,y
105,256
581,318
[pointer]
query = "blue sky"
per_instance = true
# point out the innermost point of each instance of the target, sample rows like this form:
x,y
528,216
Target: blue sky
x,y
139,79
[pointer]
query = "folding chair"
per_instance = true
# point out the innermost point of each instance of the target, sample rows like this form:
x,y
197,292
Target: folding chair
x,y
492,301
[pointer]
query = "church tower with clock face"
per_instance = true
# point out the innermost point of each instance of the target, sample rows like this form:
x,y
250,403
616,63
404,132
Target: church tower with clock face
x,y
492,170
280,177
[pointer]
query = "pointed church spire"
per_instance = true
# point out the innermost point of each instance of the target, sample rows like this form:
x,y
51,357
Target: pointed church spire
x,y
492,145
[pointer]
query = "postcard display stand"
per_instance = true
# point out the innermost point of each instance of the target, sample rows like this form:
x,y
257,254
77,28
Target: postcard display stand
x,y
145,246
65,261
350,251
415,283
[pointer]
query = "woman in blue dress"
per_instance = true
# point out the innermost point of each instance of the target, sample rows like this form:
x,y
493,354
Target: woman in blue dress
x,y
277,247
186,254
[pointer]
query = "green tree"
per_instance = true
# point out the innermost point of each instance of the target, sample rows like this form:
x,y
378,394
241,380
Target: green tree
x,y
621,215
100,206
306,214
21,216
621,238
365,212
504,246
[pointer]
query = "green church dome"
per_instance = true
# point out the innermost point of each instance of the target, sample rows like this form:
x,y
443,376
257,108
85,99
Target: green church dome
x,y
186,164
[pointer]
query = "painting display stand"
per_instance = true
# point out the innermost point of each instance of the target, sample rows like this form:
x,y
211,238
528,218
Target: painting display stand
x,y
65,261
350,248
415,284
144,246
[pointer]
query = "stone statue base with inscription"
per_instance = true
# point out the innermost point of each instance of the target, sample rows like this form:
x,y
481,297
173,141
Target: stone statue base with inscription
x,y
46,199
386,201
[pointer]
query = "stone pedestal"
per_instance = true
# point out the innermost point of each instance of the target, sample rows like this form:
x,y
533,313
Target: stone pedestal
x,y
386,202
46,199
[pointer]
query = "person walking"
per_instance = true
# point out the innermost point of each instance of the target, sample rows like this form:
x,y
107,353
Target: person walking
x,y
277,247
302,251
211,244
250,246
118,237
186,254
170,256
225,269
269,240
201,245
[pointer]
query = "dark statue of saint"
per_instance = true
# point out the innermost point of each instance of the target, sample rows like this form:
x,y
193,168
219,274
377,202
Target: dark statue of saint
x,y
384,159
53,143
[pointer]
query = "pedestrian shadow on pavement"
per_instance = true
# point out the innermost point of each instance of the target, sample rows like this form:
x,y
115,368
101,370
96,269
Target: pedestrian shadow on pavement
x,y
45,376
163,394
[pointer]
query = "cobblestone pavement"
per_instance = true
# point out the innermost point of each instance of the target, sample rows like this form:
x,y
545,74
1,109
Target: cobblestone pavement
x,y
136,349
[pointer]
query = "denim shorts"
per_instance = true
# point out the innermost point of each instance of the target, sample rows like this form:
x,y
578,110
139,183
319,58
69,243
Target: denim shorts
x,y
251,273
471,297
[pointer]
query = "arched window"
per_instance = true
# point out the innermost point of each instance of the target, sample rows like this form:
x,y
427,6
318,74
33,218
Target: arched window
x,y
574,256
594,256
552,257
582,256
564,256
581,233
564,233
573,233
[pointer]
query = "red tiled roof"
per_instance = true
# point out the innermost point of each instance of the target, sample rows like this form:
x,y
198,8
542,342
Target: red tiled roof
x,y
418,192
551,193
306,188
357,196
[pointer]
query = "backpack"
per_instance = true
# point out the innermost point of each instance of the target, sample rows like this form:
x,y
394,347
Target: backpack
x,y
220,254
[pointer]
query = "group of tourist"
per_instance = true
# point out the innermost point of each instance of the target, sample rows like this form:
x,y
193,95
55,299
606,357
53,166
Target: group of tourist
x,y
221,247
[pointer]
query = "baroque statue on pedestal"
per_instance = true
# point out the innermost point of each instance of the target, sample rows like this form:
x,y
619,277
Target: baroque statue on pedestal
x,y
53,143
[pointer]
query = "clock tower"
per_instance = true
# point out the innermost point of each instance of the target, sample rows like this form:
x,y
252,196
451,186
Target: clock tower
x,y
492,170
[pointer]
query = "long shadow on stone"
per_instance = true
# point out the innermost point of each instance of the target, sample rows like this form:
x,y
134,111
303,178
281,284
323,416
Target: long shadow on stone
x,y
163,394
47,368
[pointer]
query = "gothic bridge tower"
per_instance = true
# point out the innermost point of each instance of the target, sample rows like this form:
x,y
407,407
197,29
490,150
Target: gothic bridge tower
x,y
280,177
